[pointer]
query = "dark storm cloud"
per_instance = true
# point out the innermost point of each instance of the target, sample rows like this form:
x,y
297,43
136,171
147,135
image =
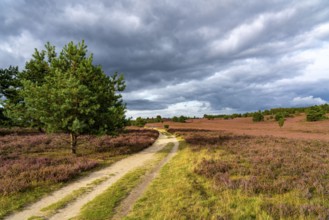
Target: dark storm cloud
x,y
214,55
142,104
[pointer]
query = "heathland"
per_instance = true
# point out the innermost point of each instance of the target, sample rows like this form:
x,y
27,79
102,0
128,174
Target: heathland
x,y
239,169
224,169
33,164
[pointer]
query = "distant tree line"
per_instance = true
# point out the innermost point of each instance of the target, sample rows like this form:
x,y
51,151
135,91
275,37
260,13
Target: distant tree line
x,y
141,122
224,116
313,113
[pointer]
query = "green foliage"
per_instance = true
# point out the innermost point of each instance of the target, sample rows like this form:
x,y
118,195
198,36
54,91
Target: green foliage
x,y
139,122
281,122
9,84
35,72
315,113
258,116
181,119
166,127
68,93
158,118
232,116
278,112
278,116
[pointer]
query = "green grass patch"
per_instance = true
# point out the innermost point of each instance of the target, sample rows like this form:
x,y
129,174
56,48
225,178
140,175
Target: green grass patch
x,y
179,193
36,218
103,206
188,189
51,209
16,201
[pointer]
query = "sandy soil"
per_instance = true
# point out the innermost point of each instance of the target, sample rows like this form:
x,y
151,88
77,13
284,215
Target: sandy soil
x,y
297,127
116,171
127,204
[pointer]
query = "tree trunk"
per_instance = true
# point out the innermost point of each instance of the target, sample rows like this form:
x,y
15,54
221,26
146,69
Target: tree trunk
x,y
74,138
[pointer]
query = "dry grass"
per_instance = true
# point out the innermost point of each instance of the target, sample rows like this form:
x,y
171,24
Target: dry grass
x,y
296,127
291,176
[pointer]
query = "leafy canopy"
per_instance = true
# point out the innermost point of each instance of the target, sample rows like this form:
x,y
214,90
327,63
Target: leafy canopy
x,y
258,116
66,92
8,90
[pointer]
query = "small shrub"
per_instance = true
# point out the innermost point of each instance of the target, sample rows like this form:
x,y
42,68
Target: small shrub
x,y
140,122
258,116
226,117
281,122
166,127
315,113
279,115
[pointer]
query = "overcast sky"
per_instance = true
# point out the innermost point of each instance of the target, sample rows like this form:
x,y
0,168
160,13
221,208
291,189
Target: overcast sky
x,y
186,57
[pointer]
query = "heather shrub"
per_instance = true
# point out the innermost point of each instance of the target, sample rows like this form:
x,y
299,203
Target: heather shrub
x,y
126,143
21,173
30,160
266,167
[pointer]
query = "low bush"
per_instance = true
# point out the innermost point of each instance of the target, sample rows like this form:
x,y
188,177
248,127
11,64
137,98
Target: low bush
x,y
281,122
257,117
315,113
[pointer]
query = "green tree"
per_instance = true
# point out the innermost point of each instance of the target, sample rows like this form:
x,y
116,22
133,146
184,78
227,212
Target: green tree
x,y
158,118
258,116
315,113
281,122
9,84
279,115
35,71
140,122
68,93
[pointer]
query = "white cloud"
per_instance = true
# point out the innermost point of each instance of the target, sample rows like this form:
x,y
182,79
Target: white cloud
x,y
20,47
188,108
81,15
247,33
308,100
96,14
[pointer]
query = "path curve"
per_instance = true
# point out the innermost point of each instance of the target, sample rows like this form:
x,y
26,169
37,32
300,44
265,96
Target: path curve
x,y
116,171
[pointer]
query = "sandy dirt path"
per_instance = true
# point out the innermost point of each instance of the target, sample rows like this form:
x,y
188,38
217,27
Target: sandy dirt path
x,y
116,171
128,203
